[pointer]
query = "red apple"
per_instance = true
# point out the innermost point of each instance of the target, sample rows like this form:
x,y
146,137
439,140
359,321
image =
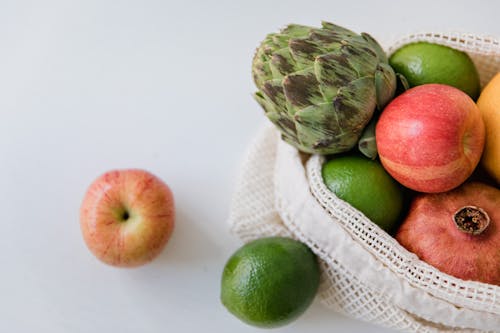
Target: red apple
x,y
430,138
127,217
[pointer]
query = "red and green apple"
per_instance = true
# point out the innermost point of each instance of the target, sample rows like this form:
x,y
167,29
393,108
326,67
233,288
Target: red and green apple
x,y
127,217
430,138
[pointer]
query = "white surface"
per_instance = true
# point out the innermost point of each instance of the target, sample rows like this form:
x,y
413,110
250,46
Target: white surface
x,y
88,86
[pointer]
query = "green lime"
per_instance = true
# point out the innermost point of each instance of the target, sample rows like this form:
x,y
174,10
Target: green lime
x,y
270,282
424,62
366,186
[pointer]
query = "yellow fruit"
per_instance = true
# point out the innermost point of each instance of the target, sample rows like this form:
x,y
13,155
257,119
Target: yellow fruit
x,y
489,104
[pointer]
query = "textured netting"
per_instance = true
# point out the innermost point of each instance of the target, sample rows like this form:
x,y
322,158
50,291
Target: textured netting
x,y
366,274
474,295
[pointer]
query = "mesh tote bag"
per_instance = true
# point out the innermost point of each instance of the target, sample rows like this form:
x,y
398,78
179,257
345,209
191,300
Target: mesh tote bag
x,y
366,274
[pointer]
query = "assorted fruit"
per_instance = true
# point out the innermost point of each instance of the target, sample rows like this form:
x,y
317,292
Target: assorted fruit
x,y
397,130
394,131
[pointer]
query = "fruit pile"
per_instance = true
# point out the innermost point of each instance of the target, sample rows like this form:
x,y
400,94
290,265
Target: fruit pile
x,y
411,141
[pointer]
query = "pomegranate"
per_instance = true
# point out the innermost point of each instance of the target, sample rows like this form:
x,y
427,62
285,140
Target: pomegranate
x,y
458,231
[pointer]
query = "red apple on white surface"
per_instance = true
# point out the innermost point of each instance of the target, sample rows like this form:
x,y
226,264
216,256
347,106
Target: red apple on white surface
x,y
127,217
430,138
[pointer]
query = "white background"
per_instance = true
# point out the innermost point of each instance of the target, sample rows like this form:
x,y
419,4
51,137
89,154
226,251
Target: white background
x,y
89,86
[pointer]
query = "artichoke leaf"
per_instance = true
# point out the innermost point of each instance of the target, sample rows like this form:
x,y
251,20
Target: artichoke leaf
x,y
270,109
277,116
385,85
358,42
304,51
382,57
296,31
337,29
281,63
322,118
272,90
367,144
276,41
264,102
333,40
329,39
302,89
318,127
333,71
261,70
355,104
360,58
402,84
285,124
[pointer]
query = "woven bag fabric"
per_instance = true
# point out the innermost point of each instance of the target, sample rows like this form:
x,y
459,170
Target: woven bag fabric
x,y
366,274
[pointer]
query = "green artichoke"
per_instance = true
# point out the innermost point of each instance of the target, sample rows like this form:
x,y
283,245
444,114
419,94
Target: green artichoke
x,y
321,86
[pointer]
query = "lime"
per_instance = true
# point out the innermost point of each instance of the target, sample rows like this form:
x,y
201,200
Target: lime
x,y
424,62
366,186
269,282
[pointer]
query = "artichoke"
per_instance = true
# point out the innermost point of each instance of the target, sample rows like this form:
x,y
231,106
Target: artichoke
x,y
321,86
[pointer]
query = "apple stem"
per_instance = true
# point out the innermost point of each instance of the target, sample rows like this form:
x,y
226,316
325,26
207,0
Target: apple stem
x,y
471,220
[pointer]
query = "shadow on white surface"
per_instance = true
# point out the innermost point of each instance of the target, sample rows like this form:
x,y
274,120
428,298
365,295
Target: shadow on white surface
x,y
189,245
